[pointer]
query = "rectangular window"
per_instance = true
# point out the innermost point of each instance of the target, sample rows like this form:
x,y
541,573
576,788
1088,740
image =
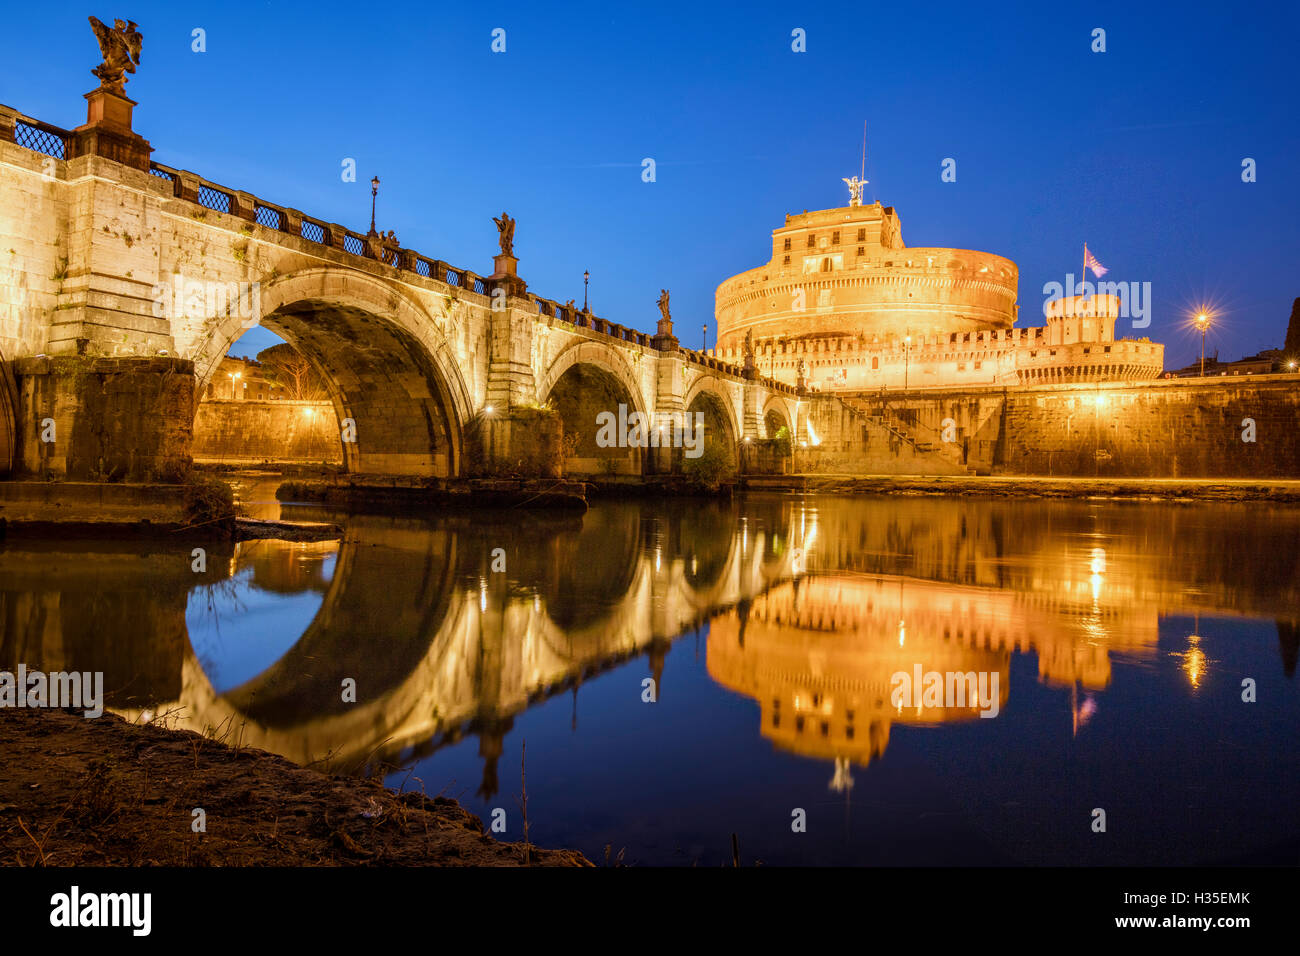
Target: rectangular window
x,y
812,240
787,243
835,238
862,235
785,261
862,251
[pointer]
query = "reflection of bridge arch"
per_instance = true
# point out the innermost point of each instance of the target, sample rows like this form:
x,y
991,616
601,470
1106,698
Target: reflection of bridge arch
x,y
443,658
386,361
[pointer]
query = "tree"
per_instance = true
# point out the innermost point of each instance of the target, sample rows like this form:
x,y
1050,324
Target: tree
x,y
290,371
1291,350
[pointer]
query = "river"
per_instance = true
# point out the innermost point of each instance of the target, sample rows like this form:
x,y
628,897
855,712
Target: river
x,y
685,670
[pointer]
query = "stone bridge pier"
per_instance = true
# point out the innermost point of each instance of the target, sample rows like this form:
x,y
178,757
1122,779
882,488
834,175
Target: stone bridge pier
x,y
124,282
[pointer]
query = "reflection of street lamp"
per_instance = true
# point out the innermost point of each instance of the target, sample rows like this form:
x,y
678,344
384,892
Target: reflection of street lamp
x,y
1203,323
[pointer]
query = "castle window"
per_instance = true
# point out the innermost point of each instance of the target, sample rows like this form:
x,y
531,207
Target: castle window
x,y
826,265
875,362
862,250
786,260
835,238
812,240
798,724
787,244
978,365
826,729
862,235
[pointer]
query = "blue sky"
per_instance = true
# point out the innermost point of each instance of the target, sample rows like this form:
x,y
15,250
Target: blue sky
x,y
1137,150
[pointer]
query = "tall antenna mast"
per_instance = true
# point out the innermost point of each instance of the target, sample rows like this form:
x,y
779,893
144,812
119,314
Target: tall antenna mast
x,y
864,149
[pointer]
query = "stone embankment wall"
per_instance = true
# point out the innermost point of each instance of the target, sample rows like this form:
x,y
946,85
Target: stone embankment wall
x,y
1175,428
238,432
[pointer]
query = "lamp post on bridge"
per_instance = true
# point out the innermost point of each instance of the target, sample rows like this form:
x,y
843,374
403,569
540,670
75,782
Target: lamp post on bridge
x,y
704,337
374,192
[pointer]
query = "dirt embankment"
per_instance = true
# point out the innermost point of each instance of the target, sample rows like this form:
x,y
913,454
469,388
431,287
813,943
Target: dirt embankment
x,y
104,792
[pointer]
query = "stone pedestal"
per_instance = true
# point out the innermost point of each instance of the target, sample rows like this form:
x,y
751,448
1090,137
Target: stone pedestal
x,y
505,273
107,132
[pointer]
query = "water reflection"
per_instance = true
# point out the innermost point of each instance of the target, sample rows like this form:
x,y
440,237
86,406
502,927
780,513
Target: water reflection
x,y
811,606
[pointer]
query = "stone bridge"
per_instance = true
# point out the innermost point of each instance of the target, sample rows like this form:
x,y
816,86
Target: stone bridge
x,y
123,283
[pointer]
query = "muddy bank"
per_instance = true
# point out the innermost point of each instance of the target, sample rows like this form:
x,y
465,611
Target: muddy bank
x,y
104,792
373,492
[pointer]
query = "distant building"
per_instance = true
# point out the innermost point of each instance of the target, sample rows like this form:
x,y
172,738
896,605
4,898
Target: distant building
x,y
843,295
1263,363
241,379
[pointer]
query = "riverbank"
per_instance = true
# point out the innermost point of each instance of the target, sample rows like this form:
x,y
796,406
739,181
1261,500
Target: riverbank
x,y
104,792
362,492
1031,486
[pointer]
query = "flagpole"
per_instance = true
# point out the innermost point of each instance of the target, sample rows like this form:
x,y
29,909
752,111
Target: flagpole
x,y
1083,280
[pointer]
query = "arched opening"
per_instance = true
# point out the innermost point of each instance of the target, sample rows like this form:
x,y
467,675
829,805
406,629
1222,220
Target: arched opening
x,y
383,361
773,422
266,403
719,441
603,432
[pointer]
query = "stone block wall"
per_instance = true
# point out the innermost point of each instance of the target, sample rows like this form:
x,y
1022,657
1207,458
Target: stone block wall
x,y
272,431
1175,428
104,419
1179,428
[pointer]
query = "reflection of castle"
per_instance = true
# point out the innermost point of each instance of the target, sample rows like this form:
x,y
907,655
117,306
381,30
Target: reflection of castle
x,y
860,310
819,653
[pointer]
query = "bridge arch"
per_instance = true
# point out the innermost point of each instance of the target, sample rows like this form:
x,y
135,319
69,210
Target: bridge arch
x,y
386,361
776,415
711,397
584,380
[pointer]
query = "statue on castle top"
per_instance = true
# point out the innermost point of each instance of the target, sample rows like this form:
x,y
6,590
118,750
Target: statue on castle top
x,y
505,234
855,190
120,47
663,305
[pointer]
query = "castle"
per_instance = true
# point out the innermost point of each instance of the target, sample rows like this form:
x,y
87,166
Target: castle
x,y
845,305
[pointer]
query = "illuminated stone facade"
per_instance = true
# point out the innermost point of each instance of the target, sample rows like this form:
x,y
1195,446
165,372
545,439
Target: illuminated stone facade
x,y
862,311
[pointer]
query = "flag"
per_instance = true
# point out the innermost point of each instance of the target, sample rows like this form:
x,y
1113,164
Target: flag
x,y
1090,262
